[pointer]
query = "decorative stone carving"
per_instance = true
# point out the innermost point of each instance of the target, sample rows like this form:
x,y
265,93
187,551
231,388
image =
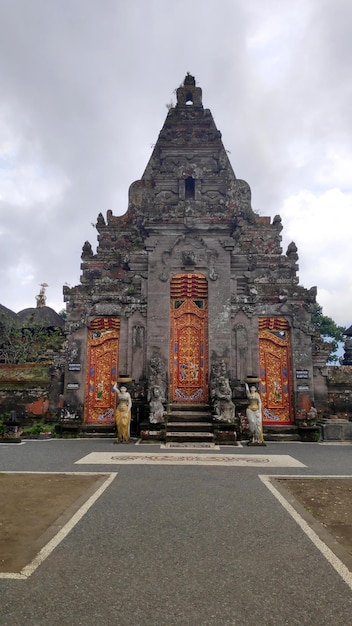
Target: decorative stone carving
x,y
156,404
138,351
156,390
347,359
189,257
87,251
73,352
164,276
291,251
100,221
221,394
212,274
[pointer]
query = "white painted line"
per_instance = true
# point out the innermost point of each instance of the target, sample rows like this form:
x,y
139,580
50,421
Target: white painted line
x,y
63,532
230,460
340,568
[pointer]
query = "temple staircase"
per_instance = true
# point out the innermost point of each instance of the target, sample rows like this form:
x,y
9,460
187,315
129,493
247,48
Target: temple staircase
x,y
189,423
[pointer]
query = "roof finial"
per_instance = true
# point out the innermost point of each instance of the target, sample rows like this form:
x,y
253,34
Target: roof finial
x,y
41,297
189,80
189,94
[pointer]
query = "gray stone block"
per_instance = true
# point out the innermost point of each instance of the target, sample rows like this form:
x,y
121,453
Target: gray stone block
x,y
337,432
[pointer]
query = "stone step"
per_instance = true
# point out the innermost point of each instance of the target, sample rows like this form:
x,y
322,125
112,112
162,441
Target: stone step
x,y
196,426
281,437
189,417
189,436
281,433
97,435
188,407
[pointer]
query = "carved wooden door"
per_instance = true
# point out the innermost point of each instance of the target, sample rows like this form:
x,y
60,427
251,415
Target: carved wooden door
x,y
189,339
275,370
102,369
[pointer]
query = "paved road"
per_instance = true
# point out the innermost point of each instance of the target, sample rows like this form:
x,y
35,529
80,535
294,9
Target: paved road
x,y
180,545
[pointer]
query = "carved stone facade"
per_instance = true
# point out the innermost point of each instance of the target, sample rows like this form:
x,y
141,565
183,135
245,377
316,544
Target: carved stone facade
x,y
194,276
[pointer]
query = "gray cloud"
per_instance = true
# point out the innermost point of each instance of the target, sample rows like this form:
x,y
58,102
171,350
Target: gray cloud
x,y
84,87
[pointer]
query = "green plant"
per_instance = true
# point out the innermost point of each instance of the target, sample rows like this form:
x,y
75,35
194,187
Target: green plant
x,y
35,429
26,345
2,419
26,432
328,329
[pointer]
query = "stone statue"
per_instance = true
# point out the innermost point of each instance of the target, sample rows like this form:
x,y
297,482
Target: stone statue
x,y
156,390
156,398
221,394
254,416
347,359
123,414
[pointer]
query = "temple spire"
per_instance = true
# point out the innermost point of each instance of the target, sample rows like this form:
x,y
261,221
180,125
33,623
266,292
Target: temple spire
x,y
188,94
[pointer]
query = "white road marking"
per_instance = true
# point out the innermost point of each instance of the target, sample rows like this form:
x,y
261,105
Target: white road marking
x,y
230,460
63,532
340,567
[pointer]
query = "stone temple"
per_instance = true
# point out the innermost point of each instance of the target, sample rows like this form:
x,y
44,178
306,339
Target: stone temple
x,y
190,289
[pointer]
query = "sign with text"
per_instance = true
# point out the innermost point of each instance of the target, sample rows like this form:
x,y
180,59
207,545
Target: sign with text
x,y
302,374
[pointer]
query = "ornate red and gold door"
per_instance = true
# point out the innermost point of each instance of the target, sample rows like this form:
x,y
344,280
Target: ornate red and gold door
x,y
102,369
189,338
275,370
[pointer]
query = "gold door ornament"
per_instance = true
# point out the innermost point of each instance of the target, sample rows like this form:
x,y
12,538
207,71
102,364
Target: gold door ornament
x,y
275,370
102,370
189,338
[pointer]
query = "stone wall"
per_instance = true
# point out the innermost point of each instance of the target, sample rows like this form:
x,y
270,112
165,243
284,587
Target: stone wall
x,y
339,383
30,389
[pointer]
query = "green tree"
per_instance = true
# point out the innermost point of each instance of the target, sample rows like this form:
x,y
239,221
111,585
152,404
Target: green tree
x,y
27,345
328,330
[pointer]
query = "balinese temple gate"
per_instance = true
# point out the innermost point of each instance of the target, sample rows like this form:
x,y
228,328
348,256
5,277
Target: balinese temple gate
x,y
188,294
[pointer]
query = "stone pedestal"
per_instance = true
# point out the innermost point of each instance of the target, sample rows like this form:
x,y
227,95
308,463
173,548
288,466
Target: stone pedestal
x,y
337,430
225,434
310,433
152,432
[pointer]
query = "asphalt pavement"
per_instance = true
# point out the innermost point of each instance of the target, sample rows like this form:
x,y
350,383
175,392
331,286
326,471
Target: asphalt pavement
x,y
181,543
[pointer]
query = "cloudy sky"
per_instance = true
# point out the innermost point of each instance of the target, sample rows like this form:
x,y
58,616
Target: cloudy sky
x,y
84,86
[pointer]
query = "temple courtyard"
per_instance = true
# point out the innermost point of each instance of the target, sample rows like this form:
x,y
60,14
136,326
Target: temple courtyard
x,y
94,533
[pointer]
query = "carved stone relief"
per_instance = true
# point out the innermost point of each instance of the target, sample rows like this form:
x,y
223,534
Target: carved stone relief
x,y
138,352
241,351
157,390
221,394
188,253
